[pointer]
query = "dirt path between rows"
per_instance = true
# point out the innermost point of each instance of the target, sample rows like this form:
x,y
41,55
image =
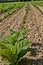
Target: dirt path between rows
x,y
12,22
34,23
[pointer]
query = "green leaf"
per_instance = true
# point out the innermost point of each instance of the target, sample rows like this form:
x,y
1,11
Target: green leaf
x,y
9,47
22,33
23,44
22,48
8,55
10,39
12,32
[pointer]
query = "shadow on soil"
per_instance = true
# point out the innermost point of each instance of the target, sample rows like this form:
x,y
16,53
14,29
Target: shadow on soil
x,y
27,61
31,62
35,49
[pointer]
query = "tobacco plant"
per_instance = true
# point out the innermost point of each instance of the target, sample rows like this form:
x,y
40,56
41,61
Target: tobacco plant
x,y
14,47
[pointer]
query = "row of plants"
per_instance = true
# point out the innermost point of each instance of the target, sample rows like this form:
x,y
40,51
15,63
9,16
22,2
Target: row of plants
x,y
7,6
13,10
25,17
37,4
14,47
18,6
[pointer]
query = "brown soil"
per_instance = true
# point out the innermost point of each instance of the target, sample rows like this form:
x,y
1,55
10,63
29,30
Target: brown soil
x,y
34,23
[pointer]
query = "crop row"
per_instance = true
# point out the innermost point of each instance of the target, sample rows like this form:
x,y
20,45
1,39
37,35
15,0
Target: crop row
x,y
17,6
37,4
27,8
7,6
11,11
15,46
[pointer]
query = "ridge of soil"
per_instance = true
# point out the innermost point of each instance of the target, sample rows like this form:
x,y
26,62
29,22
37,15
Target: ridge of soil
x,y
34,23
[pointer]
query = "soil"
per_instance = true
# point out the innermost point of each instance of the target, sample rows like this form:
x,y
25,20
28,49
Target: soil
x,y
34,22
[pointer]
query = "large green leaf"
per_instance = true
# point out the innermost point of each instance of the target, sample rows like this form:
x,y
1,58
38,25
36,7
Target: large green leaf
x,y
23,44
8,55
22,49
6,46
9,47
21,55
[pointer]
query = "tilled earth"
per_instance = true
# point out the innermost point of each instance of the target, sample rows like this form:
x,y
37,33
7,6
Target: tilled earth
x,y
34,22
12,22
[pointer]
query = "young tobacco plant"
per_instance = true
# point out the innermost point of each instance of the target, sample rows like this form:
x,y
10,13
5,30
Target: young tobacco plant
x,y
14,47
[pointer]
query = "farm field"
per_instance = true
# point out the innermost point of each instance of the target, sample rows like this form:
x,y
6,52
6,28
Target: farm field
x,y
18,17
